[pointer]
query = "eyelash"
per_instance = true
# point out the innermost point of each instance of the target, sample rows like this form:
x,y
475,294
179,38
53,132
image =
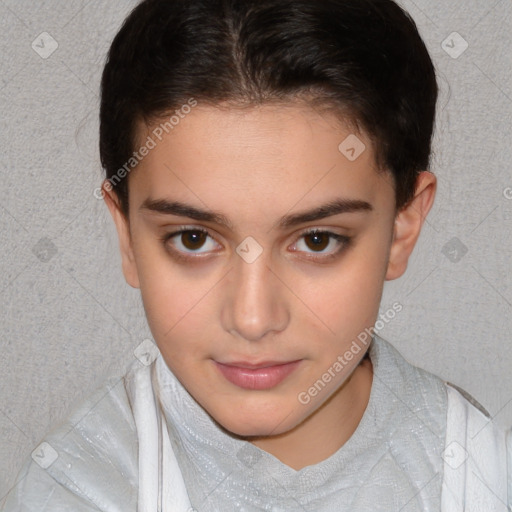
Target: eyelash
x,y
343,240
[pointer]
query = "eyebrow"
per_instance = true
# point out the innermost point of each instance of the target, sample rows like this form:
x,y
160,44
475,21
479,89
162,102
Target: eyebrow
x,y
335,207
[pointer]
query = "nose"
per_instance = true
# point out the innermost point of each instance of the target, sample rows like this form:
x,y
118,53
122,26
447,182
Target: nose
x,y
256,300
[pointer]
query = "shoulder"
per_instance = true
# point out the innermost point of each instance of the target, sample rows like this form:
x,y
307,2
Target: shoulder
x,y
471,452
421,396
470,426
88,462
477,456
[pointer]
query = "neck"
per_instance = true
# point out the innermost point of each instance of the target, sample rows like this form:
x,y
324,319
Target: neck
x,y
324,432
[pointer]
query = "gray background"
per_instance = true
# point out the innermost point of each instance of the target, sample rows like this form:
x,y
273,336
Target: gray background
x,y
68,320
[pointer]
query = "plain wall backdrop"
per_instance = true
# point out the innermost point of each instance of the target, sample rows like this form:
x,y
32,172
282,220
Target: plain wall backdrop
x,y
68,319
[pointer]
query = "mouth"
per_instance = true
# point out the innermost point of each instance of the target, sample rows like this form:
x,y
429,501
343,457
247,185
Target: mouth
x,y
264,375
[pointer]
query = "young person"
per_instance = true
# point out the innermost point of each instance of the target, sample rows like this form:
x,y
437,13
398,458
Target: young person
x,y
267,171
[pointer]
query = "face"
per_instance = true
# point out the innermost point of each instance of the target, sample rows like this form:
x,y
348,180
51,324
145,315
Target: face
x,y
260,251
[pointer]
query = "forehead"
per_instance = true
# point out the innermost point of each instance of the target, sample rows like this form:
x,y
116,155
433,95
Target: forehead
x,y
280,129
269,157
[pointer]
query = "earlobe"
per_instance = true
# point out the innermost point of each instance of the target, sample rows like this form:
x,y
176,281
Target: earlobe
x,y
123,231
408,224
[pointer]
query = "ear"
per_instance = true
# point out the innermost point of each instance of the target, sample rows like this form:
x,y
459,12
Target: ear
x,y
123,232
408,223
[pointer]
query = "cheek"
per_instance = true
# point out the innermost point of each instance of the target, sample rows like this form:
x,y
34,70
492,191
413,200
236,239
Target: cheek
x,y
169,294
180,308
174,305
348,298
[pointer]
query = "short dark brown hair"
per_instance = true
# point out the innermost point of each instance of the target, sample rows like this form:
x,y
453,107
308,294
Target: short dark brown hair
x,y
365,58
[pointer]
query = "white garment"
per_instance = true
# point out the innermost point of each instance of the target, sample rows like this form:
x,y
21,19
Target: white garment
x,y
475,469
143,439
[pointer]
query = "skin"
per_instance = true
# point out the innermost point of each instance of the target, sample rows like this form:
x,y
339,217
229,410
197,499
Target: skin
x,y
256,165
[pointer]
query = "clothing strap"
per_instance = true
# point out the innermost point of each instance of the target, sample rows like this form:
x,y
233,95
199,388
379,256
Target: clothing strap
x,y
475,459
161,484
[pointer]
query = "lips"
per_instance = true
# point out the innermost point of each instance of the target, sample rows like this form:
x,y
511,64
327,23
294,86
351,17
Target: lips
x,y
264,375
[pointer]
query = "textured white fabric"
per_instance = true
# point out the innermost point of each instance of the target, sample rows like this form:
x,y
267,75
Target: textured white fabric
x,y
475,469
142,443
146,420
161,485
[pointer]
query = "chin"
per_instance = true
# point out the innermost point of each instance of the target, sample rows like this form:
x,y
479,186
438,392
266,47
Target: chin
x,y
250,430
259,424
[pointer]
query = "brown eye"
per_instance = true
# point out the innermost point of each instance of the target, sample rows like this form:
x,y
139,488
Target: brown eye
x,y
189,243
318,241
193,240
321,245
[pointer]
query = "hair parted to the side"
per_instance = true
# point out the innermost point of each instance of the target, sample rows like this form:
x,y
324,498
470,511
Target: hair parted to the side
x,y
365,58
